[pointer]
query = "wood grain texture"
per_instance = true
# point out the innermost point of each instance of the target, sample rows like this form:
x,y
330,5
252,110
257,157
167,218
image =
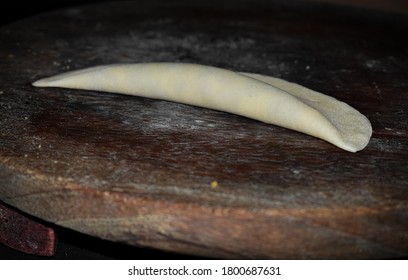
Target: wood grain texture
x,y
139,171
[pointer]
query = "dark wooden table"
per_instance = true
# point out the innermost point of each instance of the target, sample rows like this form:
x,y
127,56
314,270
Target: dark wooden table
x,y
139,171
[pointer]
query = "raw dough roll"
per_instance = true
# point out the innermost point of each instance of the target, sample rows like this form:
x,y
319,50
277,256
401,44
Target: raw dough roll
x,y
259,97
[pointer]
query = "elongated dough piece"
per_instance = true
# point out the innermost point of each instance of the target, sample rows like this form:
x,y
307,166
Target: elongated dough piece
x,y
259,97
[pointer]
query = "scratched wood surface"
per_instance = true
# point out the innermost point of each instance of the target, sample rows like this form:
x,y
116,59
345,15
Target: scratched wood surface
x,y
139,171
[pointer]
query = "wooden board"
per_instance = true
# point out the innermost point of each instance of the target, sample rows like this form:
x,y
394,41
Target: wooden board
x,y
139,171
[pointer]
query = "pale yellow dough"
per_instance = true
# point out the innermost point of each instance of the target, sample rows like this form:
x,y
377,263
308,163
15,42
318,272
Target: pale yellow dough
x,y
259,97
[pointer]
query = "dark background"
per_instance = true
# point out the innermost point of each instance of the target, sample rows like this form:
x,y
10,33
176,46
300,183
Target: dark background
x,y
15,10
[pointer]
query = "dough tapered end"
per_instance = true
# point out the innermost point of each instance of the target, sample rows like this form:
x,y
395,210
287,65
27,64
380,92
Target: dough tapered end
x,y
40,83
48,82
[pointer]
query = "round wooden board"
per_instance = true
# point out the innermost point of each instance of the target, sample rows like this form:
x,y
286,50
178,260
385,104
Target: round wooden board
x,y
139,171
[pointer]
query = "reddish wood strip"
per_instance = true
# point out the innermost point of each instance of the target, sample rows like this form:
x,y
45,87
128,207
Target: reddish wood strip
x,y
22,233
